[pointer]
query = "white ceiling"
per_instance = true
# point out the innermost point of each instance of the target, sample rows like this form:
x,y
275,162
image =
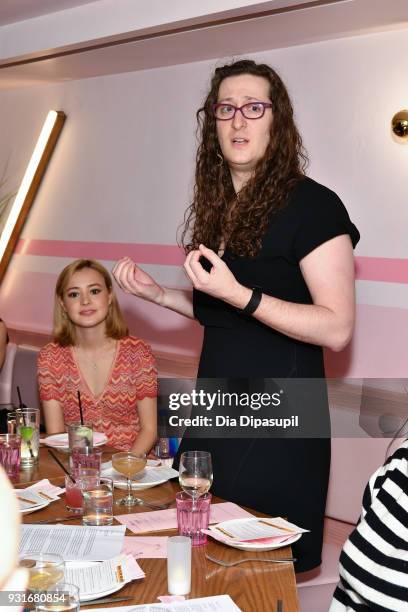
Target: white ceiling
x,y
12,11
302,23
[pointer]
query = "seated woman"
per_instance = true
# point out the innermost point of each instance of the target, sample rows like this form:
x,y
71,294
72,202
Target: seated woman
x,y
3,342
374,560
92,352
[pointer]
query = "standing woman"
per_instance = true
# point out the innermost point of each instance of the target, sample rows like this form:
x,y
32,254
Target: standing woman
x,y
93,353
270,258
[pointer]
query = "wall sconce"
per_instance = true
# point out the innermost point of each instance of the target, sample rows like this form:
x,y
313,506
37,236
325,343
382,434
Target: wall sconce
x,y
399,126
29,186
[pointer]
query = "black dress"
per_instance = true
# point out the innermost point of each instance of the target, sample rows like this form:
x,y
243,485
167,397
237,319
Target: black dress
x,y
280,477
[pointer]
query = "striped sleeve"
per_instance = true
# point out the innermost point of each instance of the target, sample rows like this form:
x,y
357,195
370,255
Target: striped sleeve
x,y
374,560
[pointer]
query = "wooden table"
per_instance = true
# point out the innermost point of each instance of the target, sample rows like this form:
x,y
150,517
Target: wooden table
x,y
254,587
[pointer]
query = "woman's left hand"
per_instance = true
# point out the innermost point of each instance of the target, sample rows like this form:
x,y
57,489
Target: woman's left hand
x,y
219,282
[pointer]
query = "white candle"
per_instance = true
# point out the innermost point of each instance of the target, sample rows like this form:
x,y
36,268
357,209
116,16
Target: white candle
x,y
179,565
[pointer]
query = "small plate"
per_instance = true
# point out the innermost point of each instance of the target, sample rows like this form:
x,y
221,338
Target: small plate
x,y
60,441
90,596
32,508
120,481
266,547
251,546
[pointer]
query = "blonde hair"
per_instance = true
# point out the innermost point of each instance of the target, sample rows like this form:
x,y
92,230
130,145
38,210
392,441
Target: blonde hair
x,y
64,330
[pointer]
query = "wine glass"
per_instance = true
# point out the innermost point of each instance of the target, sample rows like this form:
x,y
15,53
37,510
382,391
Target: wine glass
x,y
128,464
195,473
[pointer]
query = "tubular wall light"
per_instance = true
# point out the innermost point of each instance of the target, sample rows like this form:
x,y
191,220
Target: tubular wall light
x,y
399,126
29,186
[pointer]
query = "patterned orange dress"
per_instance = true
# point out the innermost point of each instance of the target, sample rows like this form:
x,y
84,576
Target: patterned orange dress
x,y
114,412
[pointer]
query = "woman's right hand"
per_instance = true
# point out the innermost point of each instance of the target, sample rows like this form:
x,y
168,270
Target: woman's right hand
x,y
133,279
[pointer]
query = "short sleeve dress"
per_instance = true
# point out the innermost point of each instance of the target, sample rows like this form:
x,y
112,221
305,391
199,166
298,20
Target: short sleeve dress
x,y
295,483
133,376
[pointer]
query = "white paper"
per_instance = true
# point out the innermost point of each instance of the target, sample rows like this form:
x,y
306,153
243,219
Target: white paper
x,y
73,542
256,529
94,578
217,603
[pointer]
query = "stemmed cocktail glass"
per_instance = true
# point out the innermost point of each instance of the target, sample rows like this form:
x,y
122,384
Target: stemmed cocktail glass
x,y
129,464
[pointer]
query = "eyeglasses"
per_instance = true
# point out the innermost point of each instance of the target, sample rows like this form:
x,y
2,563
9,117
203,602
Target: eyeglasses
x,y
251,110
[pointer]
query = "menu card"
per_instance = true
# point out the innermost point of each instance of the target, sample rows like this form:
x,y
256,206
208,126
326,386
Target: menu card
x,y
258,529
94,578
254,531
158,520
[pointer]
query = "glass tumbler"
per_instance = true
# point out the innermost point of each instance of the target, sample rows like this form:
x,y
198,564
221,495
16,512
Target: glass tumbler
x,y
86,458
98,503
28,428
45,570
80,435
82,479
10,454
62,598
193,516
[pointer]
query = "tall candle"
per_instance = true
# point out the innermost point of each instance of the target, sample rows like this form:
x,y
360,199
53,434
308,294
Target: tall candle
x,y
179,565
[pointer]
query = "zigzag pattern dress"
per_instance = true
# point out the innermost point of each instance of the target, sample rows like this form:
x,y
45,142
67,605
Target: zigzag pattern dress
x,y
133,377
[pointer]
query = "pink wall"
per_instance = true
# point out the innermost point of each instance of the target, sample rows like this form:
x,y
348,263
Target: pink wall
x,y
121,177
376,348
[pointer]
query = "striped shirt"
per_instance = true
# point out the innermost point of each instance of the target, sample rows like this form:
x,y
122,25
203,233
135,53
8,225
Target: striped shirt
x,y
374,559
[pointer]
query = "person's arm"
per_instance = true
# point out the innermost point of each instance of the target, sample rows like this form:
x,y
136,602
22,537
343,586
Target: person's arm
x,y
134,280
329,274
53,415
3,343
147,436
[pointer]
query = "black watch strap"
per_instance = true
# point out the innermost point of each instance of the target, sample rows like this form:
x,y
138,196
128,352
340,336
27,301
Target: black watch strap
x,y
254,302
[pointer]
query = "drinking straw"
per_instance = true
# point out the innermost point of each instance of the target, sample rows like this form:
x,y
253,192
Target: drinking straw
x,y
80,407
61,465
280,605
20,401
87,442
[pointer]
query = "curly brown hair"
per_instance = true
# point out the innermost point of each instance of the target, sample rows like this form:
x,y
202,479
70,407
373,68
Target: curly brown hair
x,y
216,211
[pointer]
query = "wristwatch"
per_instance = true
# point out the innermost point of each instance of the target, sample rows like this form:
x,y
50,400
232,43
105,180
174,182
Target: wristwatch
x,y
254,301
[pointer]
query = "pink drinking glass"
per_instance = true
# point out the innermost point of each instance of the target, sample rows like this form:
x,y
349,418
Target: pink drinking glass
x,y
86,458
10,452
84,479
193,516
